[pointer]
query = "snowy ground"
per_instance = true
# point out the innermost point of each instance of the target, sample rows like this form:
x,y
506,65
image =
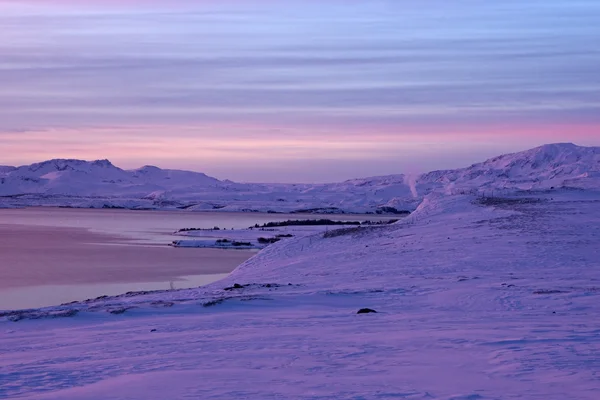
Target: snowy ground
x,y
498,300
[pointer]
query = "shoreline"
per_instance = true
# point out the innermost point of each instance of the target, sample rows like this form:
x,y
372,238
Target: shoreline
x,y
43,255
50,251
275,214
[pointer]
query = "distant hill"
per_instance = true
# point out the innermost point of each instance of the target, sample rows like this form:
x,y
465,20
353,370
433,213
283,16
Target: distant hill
x,y
99,183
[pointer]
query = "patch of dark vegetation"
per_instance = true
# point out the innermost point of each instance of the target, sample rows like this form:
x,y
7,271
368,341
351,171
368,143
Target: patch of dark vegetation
x,y
263,240
237,286
214,302
305,222
19,315
386,222
320,222
128,294
233,243
507,201
549,291
341,232
140,293
120,310
221,300
391,210
216,228
238,244
285,235
366,311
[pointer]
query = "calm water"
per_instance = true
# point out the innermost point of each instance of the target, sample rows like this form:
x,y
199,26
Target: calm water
x,y
50,256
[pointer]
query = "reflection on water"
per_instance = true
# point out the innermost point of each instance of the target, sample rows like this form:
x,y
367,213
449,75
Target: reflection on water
x,y
49,295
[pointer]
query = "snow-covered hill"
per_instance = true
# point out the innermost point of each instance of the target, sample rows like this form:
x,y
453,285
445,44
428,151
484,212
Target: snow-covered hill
x,y
474,299
552,165
96,178
99,183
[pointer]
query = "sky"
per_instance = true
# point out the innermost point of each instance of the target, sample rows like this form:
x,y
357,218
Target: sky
x,y
295,91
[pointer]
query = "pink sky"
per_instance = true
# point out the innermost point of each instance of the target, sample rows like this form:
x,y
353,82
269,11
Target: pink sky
x,y
295,91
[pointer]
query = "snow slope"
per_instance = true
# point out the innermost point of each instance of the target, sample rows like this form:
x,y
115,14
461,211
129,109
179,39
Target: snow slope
x,y
99,184
477,298
553,165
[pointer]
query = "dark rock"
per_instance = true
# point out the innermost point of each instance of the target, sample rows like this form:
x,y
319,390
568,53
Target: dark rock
x,y
152,330
365,311
235,286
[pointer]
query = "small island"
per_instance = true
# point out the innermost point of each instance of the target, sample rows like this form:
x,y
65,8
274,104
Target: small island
x,y
261,236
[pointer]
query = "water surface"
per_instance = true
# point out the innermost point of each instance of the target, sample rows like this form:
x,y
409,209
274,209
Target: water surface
x,y
52,255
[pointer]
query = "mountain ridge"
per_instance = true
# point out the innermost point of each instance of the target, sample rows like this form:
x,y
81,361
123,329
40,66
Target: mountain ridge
x,y
100,183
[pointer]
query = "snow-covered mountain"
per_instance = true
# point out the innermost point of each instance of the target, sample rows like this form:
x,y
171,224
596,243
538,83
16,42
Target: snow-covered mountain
x,y
99,183
551,165
95,178
78,183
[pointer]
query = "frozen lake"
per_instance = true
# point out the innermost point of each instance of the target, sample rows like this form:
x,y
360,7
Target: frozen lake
x,y
50,256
